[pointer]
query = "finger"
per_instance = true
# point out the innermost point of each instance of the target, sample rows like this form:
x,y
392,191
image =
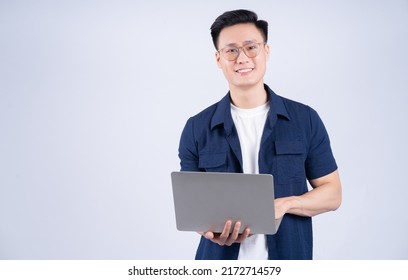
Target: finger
x,y
234,235
209,235
206,234
244,235
225,233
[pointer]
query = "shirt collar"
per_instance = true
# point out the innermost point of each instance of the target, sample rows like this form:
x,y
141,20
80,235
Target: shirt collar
x,y
222,113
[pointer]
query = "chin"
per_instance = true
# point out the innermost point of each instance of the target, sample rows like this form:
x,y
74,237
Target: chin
x,y
248,84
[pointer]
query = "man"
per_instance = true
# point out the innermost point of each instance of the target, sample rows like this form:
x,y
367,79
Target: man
x,y
253,130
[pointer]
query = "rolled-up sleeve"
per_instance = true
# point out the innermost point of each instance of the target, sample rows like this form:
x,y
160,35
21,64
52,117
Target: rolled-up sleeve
x,y
320,160
188,153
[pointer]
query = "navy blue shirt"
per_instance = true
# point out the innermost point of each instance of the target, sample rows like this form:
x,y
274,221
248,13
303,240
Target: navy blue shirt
x,y
294,147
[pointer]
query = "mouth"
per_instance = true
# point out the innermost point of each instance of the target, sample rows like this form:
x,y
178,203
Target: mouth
x,y
244,70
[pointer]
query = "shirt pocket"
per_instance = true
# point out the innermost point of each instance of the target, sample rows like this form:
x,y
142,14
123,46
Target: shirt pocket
x,y
214,162
290,161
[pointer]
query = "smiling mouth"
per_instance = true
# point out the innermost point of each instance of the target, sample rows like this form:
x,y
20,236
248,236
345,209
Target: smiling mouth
x,y
246,70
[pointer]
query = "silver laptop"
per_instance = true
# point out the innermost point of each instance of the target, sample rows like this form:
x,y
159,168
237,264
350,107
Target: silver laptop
x,y
204,201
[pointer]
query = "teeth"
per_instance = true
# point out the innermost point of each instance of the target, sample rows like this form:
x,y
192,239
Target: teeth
x,y
244,70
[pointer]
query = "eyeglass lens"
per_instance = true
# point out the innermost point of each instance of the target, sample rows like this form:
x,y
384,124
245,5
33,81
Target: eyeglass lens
x,y
250,50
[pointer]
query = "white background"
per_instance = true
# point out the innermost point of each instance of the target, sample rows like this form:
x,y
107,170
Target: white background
x,y
94,95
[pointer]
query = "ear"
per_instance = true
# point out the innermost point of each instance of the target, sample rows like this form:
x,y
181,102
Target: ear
x,y
217,59
267,51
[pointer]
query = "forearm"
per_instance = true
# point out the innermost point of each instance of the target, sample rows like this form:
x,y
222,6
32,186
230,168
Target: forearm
x,y
324,197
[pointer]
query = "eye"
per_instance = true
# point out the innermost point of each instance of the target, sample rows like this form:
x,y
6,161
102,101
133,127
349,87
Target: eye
x,y
251,47
231,50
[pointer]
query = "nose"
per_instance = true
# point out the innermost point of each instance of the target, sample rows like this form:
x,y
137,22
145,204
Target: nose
x,y
242,57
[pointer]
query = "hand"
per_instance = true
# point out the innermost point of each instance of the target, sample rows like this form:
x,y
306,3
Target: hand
x,y
227,238
281,207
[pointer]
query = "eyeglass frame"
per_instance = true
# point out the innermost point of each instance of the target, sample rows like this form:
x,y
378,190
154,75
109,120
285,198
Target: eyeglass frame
x,y
241,49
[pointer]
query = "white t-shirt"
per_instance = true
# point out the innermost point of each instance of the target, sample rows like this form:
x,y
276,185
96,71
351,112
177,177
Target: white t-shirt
x,y
250,125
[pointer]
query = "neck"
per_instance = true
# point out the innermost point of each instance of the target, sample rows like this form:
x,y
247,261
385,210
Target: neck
x,y
248,98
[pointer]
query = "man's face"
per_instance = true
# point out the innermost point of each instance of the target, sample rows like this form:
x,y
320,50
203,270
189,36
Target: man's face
x,y
243,72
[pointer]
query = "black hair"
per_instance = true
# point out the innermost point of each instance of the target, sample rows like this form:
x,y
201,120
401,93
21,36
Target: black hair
x,y
231,18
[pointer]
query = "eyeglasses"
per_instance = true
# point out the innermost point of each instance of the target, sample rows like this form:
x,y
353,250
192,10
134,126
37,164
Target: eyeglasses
x,y
231,53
